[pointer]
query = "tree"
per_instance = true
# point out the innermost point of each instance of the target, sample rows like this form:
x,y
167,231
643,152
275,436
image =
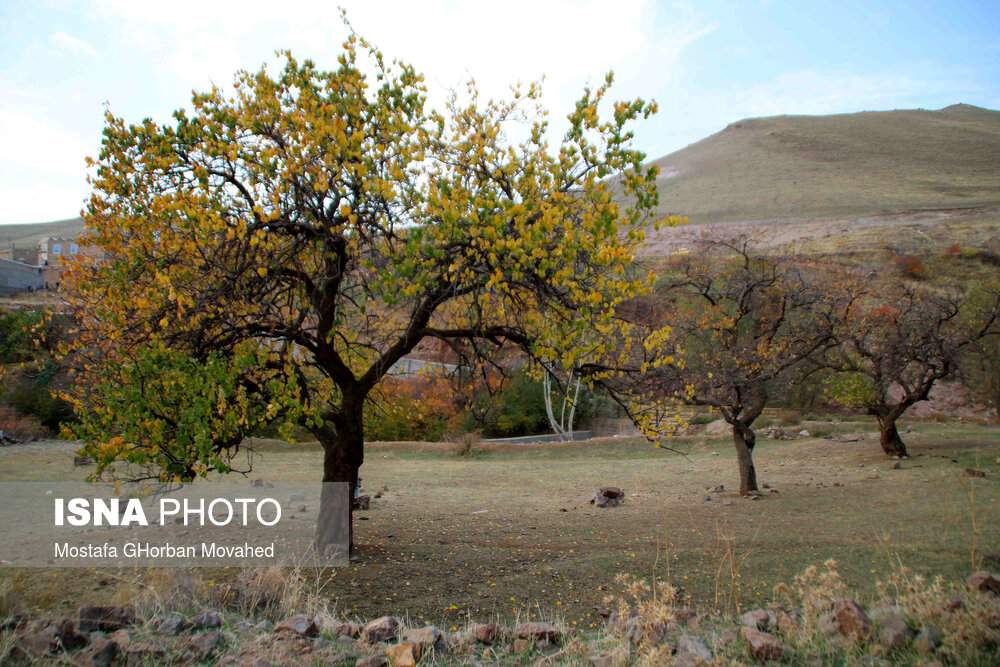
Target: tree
x,y
274,253
979,363
746,323
900,342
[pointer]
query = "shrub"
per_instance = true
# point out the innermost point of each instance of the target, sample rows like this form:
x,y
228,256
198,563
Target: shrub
x,y
911,267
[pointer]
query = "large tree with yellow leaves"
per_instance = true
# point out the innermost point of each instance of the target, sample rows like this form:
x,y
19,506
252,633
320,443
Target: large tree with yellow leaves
x,y
276,251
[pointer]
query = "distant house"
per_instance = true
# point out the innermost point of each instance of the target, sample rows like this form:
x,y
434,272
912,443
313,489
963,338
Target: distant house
x,y
23,255
55,253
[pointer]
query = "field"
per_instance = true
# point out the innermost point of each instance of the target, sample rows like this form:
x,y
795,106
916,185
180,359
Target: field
x,y
508,531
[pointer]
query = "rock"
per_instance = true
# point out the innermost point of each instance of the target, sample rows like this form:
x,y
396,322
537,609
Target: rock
x,y
720,488
971,472
727,502
724,638
601,660
362,502
607,496
102,652
984,581
204,644
209,619
804,433
538,631
57,636
338,628
486,633
695,647
852,621
896,465
762,645
423,638
522,646
954,603
928,640
787,623
143,653
105,619
265,625
300,625
372,661
827,624
171,626
383,629
760,619
403,655
894,633
246,625
633,629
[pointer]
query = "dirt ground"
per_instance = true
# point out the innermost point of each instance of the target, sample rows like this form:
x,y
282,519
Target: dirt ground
x,y
508,531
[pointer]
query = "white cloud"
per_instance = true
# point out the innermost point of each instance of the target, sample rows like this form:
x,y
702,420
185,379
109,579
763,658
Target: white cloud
x,y
39,144
67,44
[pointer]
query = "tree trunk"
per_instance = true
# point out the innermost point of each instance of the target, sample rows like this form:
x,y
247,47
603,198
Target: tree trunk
x,y
889,438
343,453
744,438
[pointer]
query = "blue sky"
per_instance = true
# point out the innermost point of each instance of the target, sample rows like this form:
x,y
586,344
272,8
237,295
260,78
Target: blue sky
x,y
706,63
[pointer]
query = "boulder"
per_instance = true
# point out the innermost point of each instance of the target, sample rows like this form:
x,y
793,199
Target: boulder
x,y
105,619
985,582
694,646
928,640
372,661
762,646
383,629
207,620
424,638
57,636
171,626
852,621
101,652
204,644
486,633
760,619
894,633
403,655
538,631
300,626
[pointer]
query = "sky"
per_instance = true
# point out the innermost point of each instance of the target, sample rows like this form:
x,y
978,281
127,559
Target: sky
x,y
707,63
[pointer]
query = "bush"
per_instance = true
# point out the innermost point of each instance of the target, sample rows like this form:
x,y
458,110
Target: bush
x,y
911,267
20,427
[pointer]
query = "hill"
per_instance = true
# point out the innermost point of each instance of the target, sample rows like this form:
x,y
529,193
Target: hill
x,y
27,235
808,167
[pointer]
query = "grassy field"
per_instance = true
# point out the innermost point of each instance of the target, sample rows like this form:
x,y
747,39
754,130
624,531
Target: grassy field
x,y
508,531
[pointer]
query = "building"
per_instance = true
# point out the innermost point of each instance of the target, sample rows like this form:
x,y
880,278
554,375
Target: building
x,y
23,255
20,277
56,252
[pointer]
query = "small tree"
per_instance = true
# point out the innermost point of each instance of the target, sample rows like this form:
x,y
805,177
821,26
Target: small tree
x,y
899,343
273,254
746,322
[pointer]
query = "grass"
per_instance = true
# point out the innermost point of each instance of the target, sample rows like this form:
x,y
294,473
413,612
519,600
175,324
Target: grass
x,y
509,532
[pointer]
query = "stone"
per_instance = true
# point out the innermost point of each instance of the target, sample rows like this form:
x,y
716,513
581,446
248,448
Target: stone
x,y
602,660
804,433
403,655
954,603
984,581
827,624
383,629
143,653
207,620
760,619
633,629
171,626
486,633
896,465
300,625
695,647
57,636
727,502
852,621
246,625
894,633
265,625
101,652
538,631
763,646
372,661
724,638
788,625
424,638
362,502
341,629
204,644
105,619
971,472
612,498
928,640
522,645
